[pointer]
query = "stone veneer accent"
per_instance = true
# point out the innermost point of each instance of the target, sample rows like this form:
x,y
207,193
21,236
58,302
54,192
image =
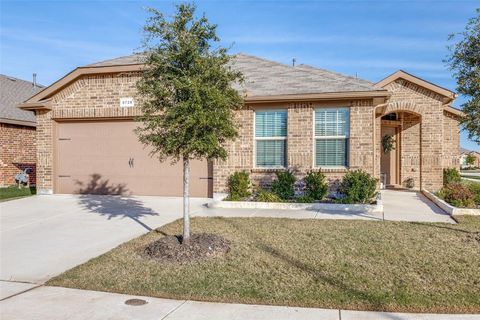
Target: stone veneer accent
x,y
426,129
17,152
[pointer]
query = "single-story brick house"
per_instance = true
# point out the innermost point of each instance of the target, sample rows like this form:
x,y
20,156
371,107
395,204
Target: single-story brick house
x,y
300,117
17,129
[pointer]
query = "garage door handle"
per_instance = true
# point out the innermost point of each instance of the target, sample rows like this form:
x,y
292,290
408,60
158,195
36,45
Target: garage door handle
x,y
62,176
206,178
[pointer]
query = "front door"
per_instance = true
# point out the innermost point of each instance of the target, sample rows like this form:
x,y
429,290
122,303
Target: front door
x,y
389,159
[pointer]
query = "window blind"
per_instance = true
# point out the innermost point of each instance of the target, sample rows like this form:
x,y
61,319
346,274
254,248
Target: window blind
x,y
332,126
271,124
270,136
332,122
331,152
271,153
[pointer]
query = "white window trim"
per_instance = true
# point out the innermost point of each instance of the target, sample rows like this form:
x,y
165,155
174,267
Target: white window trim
x,y
255,139
315,138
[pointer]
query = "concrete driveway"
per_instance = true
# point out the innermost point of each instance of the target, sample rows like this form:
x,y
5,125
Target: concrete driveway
x,y
42,236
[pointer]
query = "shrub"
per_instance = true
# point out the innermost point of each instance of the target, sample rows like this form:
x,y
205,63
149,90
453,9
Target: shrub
x,y
474,187
451,175
238,186
358,187
284,186
315,186
304,199
457,195
267,196
409,183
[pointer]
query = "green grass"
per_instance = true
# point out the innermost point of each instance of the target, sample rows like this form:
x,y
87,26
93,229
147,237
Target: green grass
x,y
363,265
10,193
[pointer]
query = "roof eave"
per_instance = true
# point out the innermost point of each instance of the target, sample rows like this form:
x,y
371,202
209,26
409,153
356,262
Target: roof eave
x,y
454,111
36,105
318,96
18,122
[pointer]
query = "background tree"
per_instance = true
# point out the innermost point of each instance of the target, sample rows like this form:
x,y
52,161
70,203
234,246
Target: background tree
x,y
187,100
470,160
464,61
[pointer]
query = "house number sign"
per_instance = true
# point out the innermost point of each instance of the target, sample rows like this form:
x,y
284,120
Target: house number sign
x,y
127,102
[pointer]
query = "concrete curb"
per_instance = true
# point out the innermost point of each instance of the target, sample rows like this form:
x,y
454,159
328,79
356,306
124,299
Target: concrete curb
x,y
335,207
448,208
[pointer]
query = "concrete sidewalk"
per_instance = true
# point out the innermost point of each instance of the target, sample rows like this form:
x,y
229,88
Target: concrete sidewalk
x,y
412,206
398,206
51,303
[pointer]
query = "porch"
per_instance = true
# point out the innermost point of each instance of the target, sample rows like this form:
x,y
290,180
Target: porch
x,y
400,150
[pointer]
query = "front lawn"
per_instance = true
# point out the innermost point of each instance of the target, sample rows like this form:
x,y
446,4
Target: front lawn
x,y
13,192
364,265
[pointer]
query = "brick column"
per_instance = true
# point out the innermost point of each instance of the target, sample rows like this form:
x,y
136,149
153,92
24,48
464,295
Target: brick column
x,y
300,137
44,152
431,137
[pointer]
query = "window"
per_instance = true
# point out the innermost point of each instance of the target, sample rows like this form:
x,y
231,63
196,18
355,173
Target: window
x,y
271,138
331,137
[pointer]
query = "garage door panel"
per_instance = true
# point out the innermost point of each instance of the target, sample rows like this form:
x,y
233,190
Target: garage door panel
x,y
107,158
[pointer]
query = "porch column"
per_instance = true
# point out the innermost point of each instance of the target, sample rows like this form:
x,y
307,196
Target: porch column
x,y
431,150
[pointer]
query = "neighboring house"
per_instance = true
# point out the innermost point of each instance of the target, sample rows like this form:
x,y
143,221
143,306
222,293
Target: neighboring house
x,y
463,158
301,117
17,129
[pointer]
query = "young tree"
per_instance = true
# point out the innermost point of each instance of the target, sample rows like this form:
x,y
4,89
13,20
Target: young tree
x,y
470,160
464,61
187,99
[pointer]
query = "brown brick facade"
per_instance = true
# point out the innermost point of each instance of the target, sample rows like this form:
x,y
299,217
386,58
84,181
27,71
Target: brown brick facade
x,y
430,139
90,97
17,152
300,142
451,141
427,146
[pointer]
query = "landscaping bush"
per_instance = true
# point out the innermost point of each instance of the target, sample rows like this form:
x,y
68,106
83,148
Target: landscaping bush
x,y
451,175
267,196
474,187
284,186
304,199
457,195
358,187
239,186
315,186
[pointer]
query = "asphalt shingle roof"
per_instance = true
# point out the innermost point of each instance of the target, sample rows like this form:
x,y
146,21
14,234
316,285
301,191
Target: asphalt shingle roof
x,y
265,78
12,92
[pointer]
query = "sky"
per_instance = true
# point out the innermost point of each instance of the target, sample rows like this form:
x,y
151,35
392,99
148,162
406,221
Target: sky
x,y
369,39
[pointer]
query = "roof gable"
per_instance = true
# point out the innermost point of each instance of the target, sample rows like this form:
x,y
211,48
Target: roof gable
x,y
400,74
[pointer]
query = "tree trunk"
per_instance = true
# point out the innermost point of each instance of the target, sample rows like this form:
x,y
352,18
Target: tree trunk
x,y
186,200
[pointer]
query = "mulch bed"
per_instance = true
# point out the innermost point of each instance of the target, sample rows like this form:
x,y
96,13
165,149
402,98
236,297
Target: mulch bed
x,y
200,247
